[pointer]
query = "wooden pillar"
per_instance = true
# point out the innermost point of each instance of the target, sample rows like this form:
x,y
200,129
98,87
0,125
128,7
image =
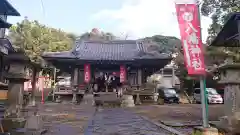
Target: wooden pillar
x,y
173,77
53,85
75,77
75,84
1,68
2,30
139,74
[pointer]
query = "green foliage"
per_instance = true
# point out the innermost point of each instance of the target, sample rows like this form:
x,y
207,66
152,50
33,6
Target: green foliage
x,y
166,44
97,36
34,38
219,11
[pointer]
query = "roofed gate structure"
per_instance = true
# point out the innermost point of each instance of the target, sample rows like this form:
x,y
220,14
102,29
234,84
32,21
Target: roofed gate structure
x,y
133,60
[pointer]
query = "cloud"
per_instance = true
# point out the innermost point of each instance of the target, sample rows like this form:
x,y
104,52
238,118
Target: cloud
x,y
141,18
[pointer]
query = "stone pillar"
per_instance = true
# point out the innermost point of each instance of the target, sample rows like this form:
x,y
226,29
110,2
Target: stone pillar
x,y
15,97
138,100
16,76
139,73
230,77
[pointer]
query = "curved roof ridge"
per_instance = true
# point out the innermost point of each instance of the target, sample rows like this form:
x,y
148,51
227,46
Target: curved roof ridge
x,y
115,42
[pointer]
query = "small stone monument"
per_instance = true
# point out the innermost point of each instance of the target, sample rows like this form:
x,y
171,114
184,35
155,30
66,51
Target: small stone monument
x,y
127,101
230,77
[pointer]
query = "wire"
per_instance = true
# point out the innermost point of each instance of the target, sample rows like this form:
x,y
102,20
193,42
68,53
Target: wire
x,y
43,8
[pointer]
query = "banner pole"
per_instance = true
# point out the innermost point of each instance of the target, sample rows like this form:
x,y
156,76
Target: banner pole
x,y
204,102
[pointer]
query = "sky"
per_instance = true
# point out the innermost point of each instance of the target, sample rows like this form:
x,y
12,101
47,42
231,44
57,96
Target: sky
x,y
125,18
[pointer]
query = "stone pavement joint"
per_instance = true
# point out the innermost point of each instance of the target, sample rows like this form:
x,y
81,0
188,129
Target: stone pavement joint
x,y
172,130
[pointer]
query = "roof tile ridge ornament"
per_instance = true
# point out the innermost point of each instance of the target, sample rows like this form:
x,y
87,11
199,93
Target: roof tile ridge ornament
x,y
148,52
140,49
77,46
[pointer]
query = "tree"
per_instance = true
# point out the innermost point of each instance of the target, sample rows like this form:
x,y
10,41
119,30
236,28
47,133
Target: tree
x,y
34,38
95,34
166,44
219,11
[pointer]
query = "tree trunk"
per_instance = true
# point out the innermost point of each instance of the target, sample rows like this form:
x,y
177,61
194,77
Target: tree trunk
x,y
34,82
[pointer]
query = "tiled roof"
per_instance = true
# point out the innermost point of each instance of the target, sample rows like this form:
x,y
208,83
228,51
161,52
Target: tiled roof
x,y
118,50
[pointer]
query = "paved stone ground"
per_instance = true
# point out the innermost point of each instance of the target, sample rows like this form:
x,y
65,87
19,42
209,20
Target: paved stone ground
x,y
84,119
118,121
189,114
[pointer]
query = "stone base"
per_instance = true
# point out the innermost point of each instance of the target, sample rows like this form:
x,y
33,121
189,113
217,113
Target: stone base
x,y
115,103
127,101
10,124
25,131
34,122
230,124
32,103
107,100
205,131
160,101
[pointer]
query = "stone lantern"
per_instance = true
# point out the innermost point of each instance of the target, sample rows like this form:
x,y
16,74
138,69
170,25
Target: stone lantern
x,y
17,74
230,78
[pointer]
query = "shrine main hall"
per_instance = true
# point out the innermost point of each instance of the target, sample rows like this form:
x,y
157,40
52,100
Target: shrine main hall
x,y
132,60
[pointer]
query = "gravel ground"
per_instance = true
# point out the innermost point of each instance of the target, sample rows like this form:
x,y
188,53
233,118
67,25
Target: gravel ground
x,y
179,113
66,118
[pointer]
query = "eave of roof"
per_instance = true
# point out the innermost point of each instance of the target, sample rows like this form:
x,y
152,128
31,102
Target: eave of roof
x,y
61,55
7,9
229,34
4,24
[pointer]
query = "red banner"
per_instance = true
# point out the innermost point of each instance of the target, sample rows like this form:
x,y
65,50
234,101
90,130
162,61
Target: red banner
x,y
87,73
122,74
191,38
